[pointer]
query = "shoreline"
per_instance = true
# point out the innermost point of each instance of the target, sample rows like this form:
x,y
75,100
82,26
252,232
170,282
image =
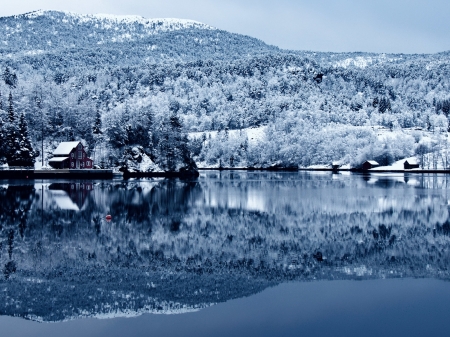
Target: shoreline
x,y
56,174
108,174
101,174
323,170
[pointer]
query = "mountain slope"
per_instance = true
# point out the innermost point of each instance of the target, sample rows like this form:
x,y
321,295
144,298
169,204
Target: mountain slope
x,y
136,73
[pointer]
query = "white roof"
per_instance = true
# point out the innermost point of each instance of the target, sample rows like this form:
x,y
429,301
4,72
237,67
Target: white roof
x,y
63,201
372,162
64,148
412,161
57,159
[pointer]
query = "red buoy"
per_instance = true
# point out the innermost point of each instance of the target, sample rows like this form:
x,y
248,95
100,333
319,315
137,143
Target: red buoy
x,y
108,217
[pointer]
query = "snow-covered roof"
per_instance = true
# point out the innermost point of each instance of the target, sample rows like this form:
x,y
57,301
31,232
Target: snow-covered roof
x,y
372,162
63,201
57,159
64,148
412,161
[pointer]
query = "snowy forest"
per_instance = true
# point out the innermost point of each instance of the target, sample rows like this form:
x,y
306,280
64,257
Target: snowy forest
x,y
170,92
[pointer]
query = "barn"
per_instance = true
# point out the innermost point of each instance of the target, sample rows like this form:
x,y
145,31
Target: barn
x,y
369,164
410,164
70,155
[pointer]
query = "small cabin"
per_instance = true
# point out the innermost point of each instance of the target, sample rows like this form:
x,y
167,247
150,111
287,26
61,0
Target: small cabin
x,y
335,166
70,155
369,164
411,164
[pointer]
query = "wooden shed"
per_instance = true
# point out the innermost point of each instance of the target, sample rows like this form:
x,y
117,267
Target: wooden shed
x,y
410,164
369,164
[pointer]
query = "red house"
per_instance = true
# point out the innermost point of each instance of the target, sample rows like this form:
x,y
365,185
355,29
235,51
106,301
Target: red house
x,y
70,155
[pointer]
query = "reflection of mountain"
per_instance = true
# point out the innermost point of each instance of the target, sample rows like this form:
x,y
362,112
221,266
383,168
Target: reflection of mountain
x,y
175,246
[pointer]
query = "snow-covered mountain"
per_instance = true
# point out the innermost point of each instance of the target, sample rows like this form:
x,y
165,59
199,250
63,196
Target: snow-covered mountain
x,y
57,33
136,72
53,29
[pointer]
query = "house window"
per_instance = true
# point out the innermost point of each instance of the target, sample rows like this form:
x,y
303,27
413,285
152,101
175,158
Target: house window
x,y
88,163
72,155
80,155
72,164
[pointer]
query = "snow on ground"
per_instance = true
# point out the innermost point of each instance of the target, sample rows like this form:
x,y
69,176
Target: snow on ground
x,y
359,62
396,166
254,135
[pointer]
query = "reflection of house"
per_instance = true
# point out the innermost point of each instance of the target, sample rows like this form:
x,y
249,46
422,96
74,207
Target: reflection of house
x,y
70,196
410,164
369,164
70,155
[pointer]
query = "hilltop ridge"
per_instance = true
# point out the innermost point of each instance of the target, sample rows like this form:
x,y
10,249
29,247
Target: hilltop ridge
x,y
68,17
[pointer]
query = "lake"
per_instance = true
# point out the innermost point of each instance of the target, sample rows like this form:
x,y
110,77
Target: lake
x,y
236,253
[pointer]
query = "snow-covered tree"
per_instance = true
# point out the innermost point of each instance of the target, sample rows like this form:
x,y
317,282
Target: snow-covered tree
x,y
25,155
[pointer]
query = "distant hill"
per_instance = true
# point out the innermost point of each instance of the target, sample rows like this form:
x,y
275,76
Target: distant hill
x,y
64,39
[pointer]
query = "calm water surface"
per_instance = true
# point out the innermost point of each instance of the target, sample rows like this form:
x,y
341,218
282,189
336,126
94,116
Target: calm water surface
x,y
231,253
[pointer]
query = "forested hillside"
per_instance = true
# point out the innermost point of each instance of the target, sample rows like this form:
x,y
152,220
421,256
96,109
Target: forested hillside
x,y
127,84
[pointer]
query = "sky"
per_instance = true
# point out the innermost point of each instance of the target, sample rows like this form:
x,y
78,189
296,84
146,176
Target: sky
x,y
382,26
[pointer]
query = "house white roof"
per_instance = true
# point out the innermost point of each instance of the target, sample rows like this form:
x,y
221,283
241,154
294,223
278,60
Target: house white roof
x,y
64,148
57,159
372,162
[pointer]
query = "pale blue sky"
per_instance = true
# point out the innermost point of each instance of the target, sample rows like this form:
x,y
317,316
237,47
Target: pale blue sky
x,y
400,26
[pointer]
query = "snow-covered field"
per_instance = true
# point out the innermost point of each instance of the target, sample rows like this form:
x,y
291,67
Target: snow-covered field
x,y
254,135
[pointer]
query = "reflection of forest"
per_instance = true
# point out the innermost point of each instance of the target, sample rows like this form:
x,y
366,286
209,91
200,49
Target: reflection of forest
x,y
177,245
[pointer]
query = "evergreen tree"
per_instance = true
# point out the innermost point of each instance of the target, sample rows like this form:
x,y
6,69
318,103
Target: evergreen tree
x,y
175,137
11,116
10,78
25,155
12,143
2,141
96,129
173,145
128,134
116,131
18,150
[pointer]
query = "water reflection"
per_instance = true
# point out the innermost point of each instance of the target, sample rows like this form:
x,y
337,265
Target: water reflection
x,y
69,196
178,246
